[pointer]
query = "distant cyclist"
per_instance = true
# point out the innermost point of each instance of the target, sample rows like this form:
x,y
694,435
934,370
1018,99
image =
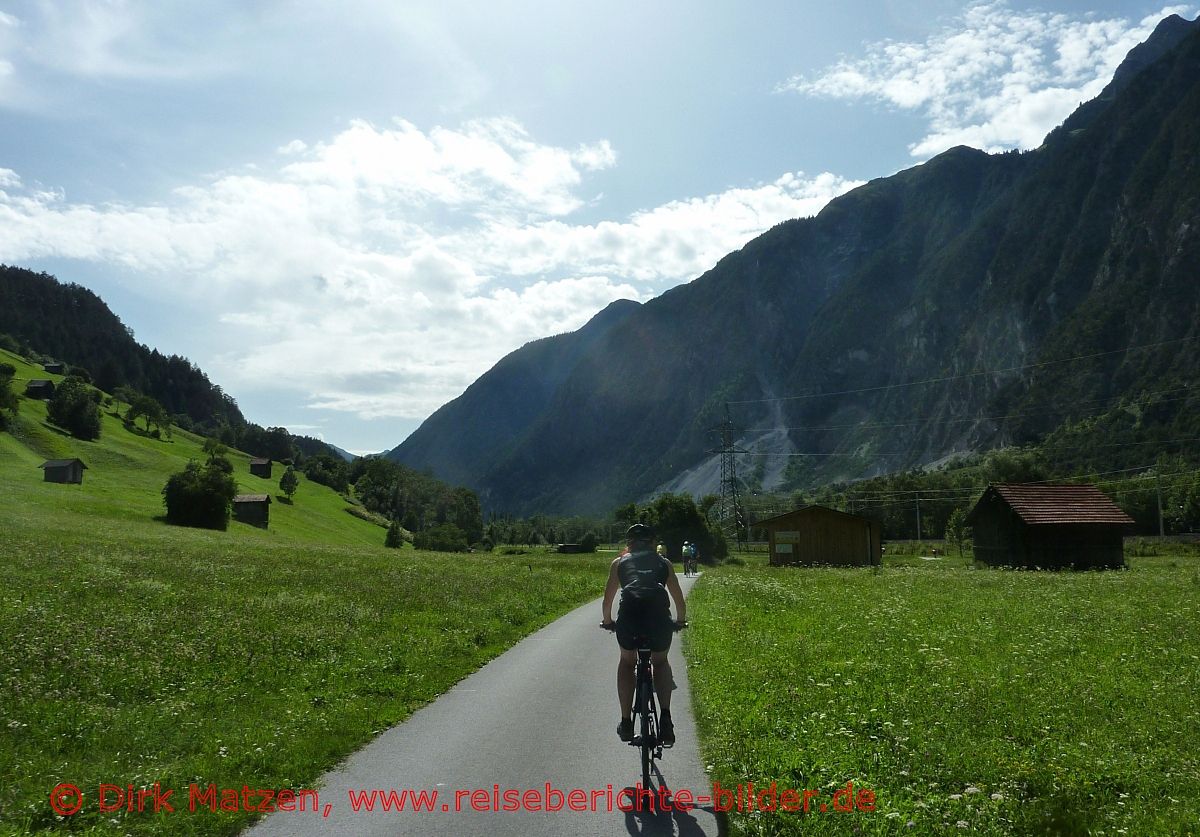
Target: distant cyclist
x,y
644,579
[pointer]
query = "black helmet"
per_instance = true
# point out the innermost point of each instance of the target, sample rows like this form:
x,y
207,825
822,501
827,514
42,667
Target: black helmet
x,y
640,532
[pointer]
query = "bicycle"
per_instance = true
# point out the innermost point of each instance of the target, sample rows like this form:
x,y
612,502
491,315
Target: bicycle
x,y
645,705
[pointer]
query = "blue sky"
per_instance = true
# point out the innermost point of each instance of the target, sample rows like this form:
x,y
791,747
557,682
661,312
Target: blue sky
x,y
346,212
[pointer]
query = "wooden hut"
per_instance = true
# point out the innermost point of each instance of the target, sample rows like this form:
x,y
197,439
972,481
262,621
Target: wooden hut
x,y
261,468
39,388
1049,527
815,535
54,367
254,509
68,471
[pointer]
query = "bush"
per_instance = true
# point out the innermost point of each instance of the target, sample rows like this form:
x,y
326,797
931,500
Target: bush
x,y
589,542
369,516
445,537
718,544
200,496
72,408
395,536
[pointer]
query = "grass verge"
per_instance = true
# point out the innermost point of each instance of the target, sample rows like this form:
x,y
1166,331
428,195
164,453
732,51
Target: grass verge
x,y
995,701
184,657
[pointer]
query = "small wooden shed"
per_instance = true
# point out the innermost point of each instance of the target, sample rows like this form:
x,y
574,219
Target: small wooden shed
x,y
1049,527
816,535
261,468
68,471
254,509
54,367
39,388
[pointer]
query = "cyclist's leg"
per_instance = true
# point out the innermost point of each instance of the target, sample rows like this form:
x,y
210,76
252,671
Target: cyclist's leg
x,y
630,626
625,682
663,682
660,632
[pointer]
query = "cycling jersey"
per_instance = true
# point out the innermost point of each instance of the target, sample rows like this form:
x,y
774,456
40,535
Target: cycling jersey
x,y
645,608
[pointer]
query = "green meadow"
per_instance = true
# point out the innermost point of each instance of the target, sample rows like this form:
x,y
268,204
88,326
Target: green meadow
x,y
138,652
977,700
963,699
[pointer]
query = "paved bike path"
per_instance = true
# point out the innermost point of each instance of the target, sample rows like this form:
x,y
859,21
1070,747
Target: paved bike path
x,y
544,711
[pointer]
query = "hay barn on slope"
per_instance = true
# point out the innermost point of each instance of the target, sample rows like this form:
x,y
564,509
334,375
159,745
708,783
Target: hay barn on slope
x,y
817,536
254,509
260,468
1049,527
40,388
68,471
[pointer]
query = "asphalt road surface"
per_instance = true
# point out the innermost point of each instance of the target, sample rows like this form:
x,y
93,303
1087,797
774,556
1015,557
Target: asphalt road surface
x,y
543,712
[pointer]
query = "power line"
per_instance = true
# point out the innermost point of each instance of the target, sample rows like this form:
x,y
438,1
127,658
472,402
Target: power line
x,y
928,419
961,489
758,453
964,376
965,492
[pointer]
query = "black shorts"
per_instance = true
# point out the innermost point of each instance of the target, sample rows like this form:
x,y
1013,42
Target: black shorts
x,y
651,619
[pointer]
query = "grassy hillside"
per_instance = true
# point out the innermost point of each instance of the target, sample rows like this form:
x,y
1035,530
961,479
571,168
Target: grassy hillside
x,y
126,473
138,652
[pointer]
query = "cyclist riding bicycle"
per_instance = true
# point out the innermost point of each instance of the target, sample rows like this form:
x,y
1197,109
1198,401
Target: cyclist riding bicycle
x,y
644,579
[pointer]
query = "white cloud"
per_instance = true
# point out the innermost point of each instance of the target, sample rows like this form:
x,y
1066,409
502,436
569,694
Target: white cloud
x,y
385,269
293,147
998,79
667,243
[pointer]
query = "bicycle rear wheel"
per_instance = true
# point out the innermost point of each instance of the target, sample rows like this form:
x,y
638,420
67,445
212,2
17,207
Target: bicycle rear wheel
x,y
647,723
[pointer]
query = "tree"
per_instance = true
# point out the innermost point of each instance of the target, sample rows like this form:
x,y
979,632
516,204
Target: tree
x,y
8,398
445,537
126,394
626,514
200,496
957,530
214,448
150,411
326,470
676,519
72,408
277,444
288,483
395,536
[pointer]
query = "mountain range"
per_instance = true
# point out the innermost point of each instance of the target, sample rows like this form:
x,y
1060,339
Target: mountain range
x,y
971,302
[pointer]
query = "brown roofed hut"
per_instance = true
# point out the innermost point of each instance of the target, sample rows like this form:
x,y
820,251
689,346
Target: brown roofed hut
x,y
39,388
1049,527
260,468
54,367
67,471
816,536
254,509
